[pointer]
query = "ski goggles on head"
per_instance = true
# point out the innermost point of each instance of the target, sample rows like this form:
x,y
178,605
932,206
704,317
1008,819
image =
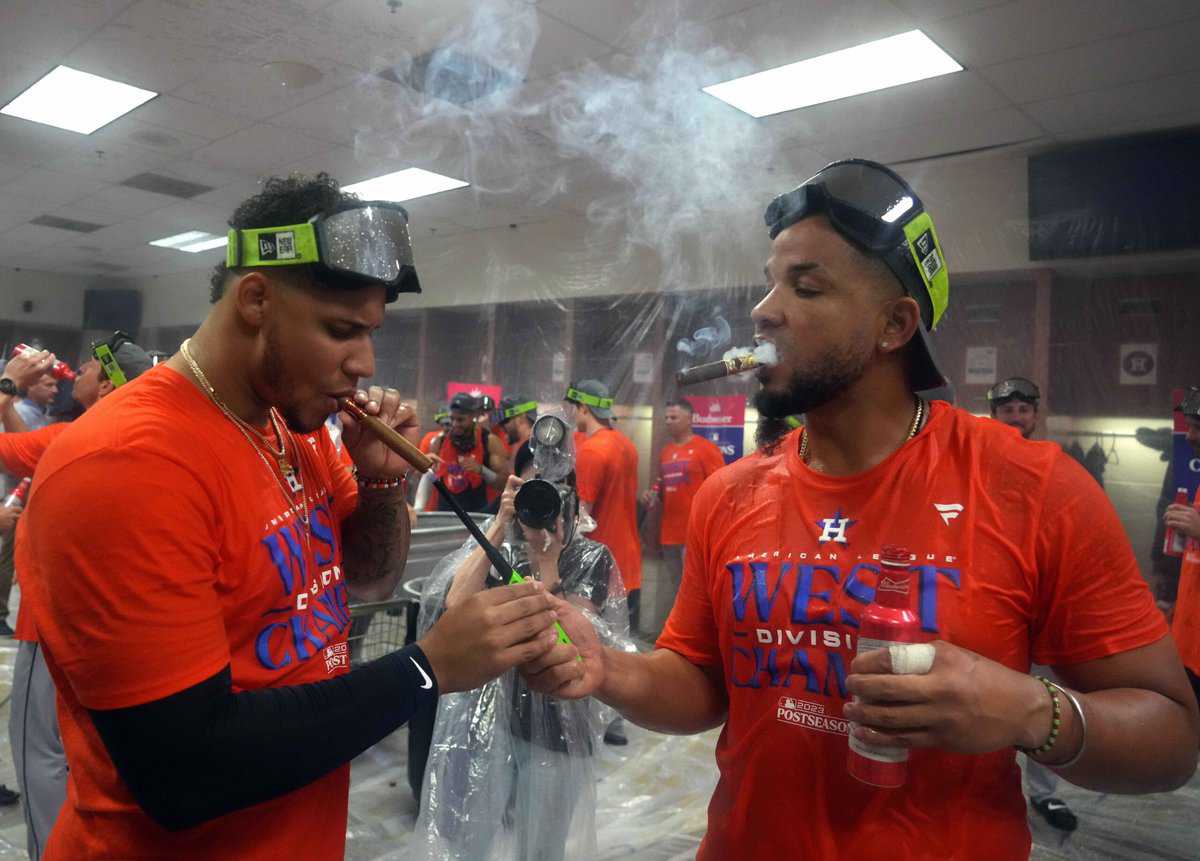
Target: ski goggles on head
x,y
105,352
1014,388
1190,405
575,396
876,210
441,417
367,242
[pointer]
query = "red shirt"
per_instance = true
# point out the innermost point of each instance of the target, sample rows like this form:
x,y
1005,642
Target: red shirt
x,y
1186,624
166,550
1020,557
606,471
684,468
20,454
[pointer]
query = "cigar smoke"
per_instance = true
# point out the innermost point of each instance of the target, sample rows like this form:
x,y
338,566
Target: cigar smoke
x,y
739,360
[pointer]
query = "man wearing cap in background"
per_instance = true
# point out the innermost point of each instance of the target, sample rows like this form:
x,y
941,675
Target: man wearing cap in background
x,y
1019,557
606,469
29,413
517,415
684,463
198,538
1185,519
441,418
38,755
1015,403
470,459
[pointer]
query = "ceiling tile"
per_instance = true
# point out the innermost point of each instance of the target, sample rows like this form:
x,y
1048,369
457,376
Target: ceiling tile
x,y
1119,105
626,23
50,28
1106,63
1030,27
118,203
930,10
259,149
173,113
50,189
245,89
36,236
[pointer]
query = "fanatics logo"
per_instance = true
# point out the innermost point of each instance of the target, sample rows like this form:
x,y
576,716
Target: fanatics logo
x,y
834,529
948,510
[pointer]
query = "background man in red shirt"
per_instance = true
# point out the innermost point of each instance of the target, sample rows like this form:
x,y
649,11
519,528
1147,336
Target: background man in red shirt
x,y
685,461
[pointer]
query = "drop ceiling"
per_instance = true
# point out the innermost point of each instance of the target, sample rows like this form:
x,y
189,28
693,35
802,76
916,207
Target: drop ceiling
x,y
603,92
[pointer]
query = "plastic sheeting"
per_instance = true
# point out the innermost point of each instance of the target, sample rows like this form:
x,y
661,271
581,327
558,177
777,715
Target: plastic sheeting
x,y
511,772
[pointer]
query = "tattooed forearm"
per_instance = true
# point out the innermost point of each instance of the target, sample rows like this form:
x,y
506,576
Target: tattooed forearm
x,y
375,543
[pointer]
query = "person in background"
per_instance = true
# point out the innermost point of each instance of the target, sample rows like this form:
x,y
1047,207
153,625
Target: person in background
x,y
41,762
441,418
470,459
1015,403
1185,519
518,414
685,462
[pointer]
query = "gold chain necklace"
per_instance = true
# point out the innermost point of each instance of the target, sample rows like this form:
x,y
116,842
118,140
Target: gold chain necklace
x,y
912,431
293,484
280,454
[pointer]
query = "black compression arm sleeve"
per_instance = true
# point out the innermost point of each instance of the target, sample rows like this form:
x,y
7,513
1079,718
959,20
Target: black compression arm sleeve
x,y
206,751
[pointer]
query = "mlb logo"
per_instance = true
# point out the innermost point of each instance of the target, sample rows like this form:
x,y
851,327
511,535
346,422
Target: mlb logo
x,y
277,246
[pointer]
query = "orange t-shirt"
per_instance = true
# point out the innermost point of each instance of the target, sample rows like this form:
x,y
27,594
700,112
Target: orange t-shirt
x,y
427,440
20,454
1186,624
606,472
164,551
1020,557
684,468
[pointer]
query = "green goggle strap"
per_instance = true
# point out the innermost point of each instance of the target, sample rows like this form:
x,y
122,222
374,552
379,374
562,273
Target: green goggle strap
x,y
931,263
438,418
516,410
291,245
108,361
574,394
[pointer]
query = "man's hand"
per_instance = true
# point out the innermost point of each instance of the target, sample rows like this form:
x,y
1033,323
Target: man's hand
x,y
372,457
650,499
559,671
8,519
489,633
471,465
508,506
27,368
1183,518
965,704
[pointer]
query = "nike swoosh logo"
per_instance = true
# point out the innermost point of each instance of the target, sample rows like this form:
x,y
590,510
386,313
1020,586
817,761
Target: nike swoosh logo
x,y
428,681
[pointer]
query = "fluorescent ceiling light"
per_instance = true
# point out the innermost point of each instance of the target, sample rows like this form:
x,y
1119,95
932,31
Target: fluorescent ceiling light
x,y
404,184
889,62
69,99
193,241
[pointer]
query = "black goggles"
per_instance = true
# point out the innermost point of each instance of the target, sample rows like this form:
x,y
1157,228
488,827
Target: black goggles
x,y
105,352
1190,405
1015,388
865,201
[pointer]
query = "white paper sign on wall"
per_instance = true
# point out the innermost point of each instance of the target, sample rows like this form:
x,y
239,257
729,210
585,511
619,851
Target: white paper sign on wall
x,y
1139,364
981,365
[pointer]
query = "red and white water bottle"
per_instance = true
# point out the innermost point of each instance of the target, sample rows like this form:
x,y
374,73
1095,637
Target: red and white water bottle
x,y
16,499
60,370
888,619
1175,542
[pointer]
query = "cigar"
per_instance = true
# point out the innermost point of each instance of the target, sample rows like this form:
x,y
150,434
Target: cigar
x,y
420,461
739,363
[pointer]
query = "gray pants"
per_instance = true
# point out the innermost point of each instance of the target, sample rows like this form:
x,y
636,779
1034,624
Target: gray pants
x,y
36,746
1039,780
672,555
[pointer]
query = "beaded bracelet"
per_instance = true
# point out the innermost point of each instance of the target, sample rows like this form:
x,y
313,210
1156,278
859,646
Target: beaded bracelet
x,y
1055,723
393,483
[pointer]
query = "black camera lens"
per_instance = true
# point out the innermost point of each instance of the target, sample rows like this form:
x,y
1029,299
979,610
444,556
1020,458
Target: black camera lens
x,y
538,504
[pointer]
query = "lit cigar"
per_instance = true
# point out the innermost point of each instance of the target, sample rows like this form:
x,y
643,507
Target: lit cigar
x,y
389,436
736,361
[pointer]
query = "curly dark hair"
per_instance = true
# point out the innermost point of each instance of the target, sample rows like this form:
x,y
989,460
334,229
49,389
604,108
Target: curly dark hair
x,y
283,200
